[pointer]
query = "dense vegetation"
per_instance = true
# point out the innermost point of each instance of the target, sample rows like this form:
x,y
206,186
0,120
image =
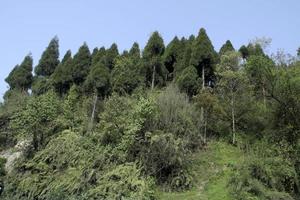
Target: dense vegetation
x,y
180,121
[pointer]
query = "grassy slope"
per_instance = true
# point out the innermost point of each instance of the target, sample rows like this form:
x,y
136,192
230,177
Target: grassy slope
x,y
211,171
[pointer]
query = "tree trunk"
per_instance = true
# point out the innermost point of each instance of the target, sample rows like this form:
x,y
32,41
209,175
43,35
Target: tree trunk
x,y
93,112
203,78
202,109
264,95
233,119
153,77
205,124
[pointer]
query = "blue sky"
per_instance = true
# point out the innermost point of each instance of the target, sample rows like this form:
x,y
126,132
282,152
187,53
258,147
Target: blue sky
x,y
27,26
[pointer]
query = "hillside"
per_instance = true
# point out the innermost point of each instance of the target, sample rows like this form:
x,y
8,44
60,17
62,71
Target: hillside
x,y
172,121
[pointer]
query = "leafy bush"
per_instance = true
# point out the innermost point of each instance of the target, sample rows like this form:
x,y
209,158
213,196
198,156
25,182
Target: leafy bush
x,y
123,182
268,178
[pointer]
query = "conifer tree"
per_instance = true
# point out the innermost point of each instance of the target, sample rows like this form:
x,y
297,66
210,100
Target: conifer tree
x,y
154,49
171,54
98,56
21,76
110,56
81,64
61,79
98,80
49,59
186,55
135,51
203,57
95,51
226,47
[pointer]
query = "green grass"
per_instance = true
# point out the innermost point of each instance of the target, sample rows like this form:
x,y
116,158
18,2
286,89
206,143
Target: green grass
x,y
211,171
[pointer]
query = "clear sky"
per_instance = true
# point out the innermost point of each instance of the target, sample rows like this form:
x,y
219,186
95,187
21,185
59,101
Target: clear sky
x,y
27,26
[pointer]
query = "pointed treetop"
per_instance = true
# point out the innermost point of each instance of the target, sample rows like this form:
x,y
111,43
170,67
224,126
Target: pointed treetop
x,y
95,51
100,54
49,59
135,50
81,64
154,47
67,55
226,47
21,76
202,49
61,79
110,56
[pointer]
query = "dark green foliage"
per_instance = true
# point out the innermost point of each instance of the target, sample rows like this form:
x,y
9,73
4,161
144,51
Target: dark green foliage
x,y
185,61
257,68
251,50
126,75
94,52
2,167
153,64
20,77
40,85
98,80
81,64
298,52
226,47
203,56
155,46
61,79
244,52
188,81
110,56
98,56
49,59
172,53
135,51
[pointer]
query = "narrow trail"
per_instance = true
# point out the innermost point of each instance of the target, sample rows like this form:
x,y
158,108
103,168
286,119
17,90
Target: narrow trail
x,y
211,173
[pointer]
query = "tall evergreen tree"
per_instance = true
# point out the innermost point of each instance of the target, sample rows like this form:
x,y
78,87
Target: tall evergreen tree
x,y
49,59
135,51
21,76
154,49
110,56
98,80
95,51
226,47
81,64
61,79
186,55
98,56
203,57
171,54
